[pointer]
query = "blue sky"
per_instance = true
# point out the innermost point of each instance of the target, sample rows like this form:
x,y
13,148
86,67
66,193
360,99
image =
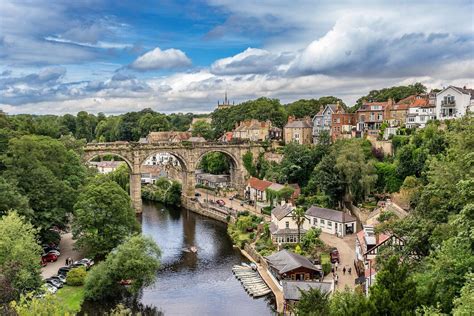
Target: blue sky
x,y
117,56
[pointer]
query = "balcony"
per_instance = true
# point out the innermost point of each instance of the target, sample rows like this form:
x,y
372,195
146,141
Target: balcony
x,y
448,103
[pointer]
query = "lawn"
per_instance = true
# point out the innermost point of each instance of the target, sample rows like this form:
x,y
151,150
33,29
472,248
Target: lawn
x,y
71,297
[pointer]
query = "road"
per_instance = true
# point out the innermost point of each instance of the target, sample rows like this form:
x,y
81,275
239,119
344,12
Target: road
x,y
66,246
235,203
346,247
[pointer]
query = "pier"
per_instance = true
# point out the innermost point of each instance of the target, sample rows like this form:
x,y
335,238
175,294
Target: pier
x,y
251,281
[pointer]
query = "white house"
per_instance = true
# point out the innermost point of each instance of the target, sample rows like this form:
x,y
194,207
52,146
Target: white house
x,y
331,221
420,112
213,180
104,167
255,189
161,159
454,102
283,227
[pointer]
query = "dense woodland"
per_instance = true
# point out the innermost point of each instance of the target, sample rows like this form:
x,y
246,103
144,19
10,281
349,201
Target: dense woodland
x,y
43,180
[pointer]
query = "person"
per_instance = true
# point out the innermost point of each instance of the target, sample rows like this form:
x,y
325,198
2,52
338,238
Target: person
x,y
350,270
332,270
67,261
336,279
336,264
344,270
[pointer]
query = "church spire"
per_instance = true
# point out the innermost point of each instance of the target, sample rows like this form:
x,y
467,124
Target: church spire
x,y
225,98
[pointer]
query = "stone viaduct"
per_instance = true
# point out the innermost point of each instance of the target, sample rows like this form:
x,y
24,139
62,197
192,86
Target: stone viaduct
x,y
189,156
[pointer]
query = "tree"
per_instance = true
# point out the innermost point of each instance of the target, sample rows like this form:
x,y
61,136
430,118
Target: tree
x,y
299,216
121,176
85,126
313,302
19,257
311,239
215,163
247,159
464,304
103,217
153,122
12,199
202,129
135,260
394,291
31,305
349,303
48,174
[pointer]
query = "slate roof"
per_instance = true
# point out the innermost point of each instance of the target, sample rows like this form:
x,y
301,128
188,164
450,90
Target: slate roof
x,y
282,210
197,139
299,124
291,289
285,261
276,186
332,215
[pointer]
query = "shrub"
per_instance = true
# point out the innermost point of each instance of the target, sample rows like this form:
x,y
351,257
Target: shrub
x,y
76,276
326,268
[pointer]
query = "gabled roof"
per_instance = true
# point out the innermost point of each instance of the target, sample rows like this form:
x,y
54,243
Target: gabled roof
x,y
332,215
366,106
299,124
462,90
285,261
282,210
197,139
258,184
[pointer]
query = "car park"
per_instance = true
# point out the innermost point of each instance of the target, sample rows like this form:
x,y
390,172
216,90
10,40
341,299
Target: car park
x,y
59,277
78,264
64,270
50,288
88,262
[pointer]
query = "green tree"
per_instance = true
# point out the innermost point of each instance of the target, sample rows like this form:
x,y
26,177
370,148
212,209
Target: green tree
x,y
310,240
136,260
11,199
153,122
121,176
85,126
19,257
247,159
215,163
464,304
299,216
76,276
313,302
30,305
202,129
103,217
394,291
349,303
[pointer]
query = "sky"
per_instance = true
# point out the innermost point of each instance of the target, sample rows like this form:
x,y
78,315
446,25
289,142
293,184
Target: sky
x,y
111,56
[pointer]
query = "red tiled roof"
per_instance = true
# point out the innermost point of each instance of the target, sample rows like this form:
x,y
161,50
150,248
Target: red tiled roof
x,y
258,184
419,102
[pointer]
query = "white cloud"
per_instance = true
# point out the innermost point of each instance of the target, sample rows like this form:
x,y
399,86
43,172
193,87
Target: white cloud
x,y
158,59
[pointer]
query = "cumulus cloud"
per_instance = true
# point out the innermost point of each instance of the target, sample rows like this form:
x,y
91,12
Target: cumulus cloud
x,y
251,61
158,59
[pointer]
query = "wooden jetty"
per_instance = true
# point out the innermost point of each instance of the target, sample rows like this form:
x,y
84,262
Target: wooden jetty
x,y
251,280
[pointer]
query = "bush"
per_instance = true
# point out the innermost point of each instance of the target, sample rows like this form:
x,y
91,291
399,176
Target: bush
x,y
76,276
326,268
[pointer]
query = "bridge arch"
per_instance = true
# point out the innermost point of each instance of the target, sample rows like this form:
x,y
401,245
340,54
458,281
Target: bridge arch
x,y
90,157
182,161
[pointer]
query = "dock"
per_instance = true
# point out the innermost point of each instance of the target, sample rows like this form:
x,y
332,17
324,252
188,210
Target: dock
x,y
251,280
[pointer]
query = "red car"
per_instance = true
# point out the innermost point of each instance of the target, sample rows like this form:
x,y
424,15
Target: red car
x,y
220,202
49,257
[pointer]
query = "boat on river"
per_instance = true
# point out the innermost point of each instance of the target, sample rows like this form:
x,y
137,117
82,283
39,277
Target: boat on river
x,y
251,280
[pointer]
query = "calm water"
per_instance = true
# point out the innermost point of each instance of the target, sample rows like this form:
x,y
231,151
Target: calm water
x,y
199,283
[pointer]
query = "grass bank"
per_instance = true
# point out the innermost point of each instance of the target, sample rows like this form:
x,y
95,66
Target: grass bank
x,y
71,297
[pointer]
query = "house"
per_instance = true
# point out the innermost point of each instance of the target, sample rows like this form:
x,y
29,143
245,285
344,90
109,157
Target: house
x,y
104,167
371,115
283,228
253,130
167,137
197,139
331,221
454,102
150,174
292,289
162,159
213,180
342,124
298,131
286,265
322,121
227,137
275,133
255,189
368,244
420,111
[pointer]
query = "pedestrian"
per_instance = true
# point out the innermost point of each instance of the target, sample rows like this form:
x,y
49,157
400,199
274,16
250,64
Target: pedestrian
x,y
350,270
336,279
67,261
344,270
336,264
332,270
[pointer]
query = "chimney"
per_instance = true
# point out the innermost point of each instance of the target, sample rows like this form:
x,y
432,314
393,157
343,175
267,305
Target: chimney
x,y
464,87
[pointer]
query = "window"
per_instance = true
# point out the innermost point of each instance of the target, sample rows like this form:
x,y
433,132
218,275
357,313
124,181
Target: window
x,y
376,107
329,224
338,120
315,221
321,221
287,224
380,117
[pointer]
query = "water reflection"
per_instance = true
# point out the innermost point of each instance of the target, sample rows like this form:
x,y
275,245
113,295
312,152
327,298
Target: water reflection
x,y
196,283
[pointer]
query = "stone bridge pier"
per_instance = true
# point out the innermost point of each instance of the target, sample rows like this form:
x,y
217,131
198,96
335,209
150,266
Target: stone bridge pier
x,y
189,157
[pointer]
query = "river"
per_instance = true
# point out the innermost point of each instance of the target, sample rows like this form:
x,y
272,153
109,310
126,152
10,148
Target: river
x,y
199,283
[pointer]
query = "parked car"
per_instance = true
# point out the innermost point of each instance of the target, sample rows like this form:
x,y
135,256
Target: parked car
x,y
54,282
78,264
49,257
334,255
220,202
50,288
64,270
88,262
59,277
48,248
57,253
197,194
